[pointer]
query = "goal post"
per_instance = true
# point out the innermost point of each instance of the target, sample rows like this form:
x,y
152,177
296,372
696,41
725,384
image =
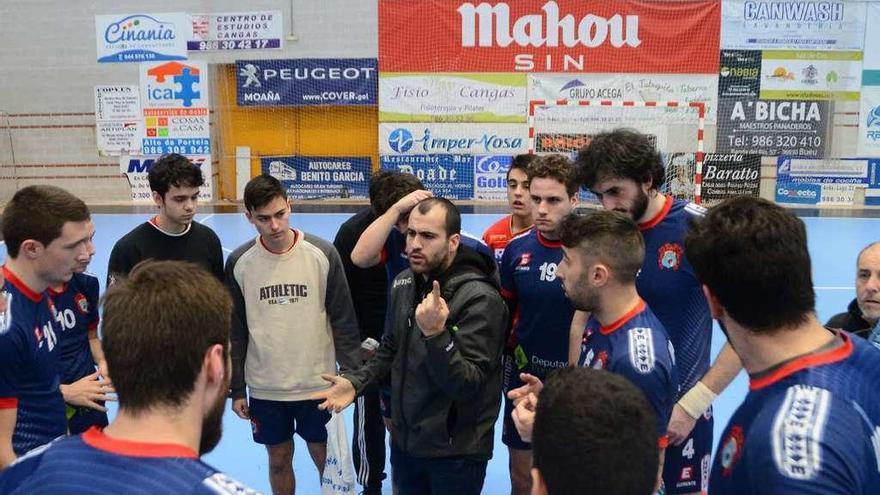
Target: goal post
x,y
676,129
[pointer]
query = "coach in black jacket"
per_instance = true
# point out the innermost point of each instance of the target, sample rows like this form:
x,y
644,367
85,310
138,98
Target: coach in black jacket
x,y
448,321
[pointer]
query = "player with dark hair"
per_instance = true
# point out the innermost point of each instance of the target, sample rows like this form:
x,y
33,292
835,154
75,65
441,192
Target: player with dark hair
x,y
293,321
47,232
541,314
603,252
167,312
84,389
520,218
172,234
369,289
809,424
442,352
863,313
593,433
625,171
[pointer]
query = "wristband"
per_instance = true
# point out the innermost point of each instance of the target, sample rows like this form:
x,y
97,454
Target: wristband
x,y
697,400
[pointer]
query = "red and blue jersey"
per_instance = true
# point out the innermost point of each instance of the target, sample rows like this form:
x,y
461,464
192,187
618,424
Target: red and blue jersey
x,y
668,283
541,314
809,426
29,366
97,464
76,307
499,234
637,347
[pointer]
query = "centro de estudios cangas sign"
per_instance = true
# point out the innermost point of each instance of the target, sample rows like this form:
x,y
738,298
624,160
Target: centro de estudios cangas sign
x,y
549,36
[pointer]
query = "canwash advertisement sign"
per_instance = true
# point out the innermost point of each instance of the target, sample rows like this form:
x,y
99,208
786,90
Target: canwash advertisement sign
x,y
452,97
810,75
630,87
142,37
452,139
549,36
236,31
794,25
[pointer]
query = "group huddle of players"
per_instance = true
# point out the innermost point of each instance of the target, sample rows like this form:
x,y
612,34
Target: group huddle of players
x,y
632,289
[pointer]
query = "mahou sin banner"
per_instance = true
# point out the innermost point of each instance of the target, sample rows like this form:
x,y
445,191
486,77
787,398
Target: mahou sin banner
x,y
549,36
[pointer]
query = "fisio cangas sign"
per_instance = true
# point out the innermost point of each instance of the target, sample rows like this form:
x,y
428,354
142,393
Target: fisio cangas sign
x,y
549,36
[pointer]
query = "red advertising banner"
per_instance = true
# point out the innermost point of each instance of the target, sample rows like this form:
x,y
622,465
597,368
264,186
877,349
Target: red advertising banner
x,y
549,36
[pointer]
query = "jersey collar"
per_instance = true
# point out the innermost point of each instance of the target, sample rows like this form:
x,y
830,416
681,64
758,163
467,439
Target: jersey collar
x,y
96,438
638,308
292,245
18,284
155,223
659,216
547,242
811,360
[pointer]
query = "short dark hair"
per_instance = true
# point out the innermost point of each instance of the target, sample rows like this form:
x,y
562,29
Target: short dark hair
x,y
174,170
753,255
261,190
452,224
610,236
621,153
39,213
391,188
586,414
869,246
157,325
554,166
521,162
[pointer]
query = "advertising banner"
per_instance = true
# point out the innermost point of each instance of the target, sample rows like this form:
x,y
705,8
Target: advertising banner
x,y
792,24
141,37
136,167
453,139
118,119
729,175
490,177
836,179
321,177
628,87
236,31
740,74
448,176
308,81
175,102
869,115
452,98
771,128
790,75
549,36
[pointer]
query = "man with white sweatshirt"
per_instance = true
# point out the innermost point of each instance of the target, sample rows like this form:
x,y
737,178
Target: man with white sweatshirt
x,y
293,320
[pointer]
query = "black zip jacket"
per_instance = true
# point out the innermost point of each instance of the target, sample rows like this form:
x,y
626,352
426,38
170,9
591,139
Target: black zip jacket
x,y
445,390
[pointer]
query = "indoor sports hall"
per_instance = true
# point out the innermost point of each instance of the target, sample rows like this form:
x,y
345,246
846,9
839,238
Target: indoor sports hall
x,y
772,99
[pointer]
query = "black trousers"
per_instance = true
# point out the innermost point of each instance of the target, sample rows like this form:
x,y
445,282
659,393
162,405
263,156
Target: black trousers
x,y
368,444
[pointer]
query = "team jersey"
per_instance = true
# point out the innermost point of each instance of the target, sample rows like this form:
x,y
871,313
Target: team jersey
x,y
810,426
637,347
97,464
77,319
394,252
541,314
668,284
29,366
499,234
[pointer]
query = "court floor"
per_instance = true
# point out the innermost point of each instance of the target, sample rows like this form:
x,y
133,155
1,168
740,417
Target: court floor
x,y
834,243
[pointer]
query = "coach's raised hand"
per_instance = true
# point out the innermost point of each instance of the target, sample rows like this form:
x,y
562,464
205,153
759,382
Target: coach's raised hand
x,y
432,312
336,398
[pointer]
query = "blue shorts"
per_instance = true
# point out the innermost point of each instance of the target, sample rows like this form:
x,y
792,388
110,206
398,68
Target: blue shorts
x,y
274,422
509,435
686,468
